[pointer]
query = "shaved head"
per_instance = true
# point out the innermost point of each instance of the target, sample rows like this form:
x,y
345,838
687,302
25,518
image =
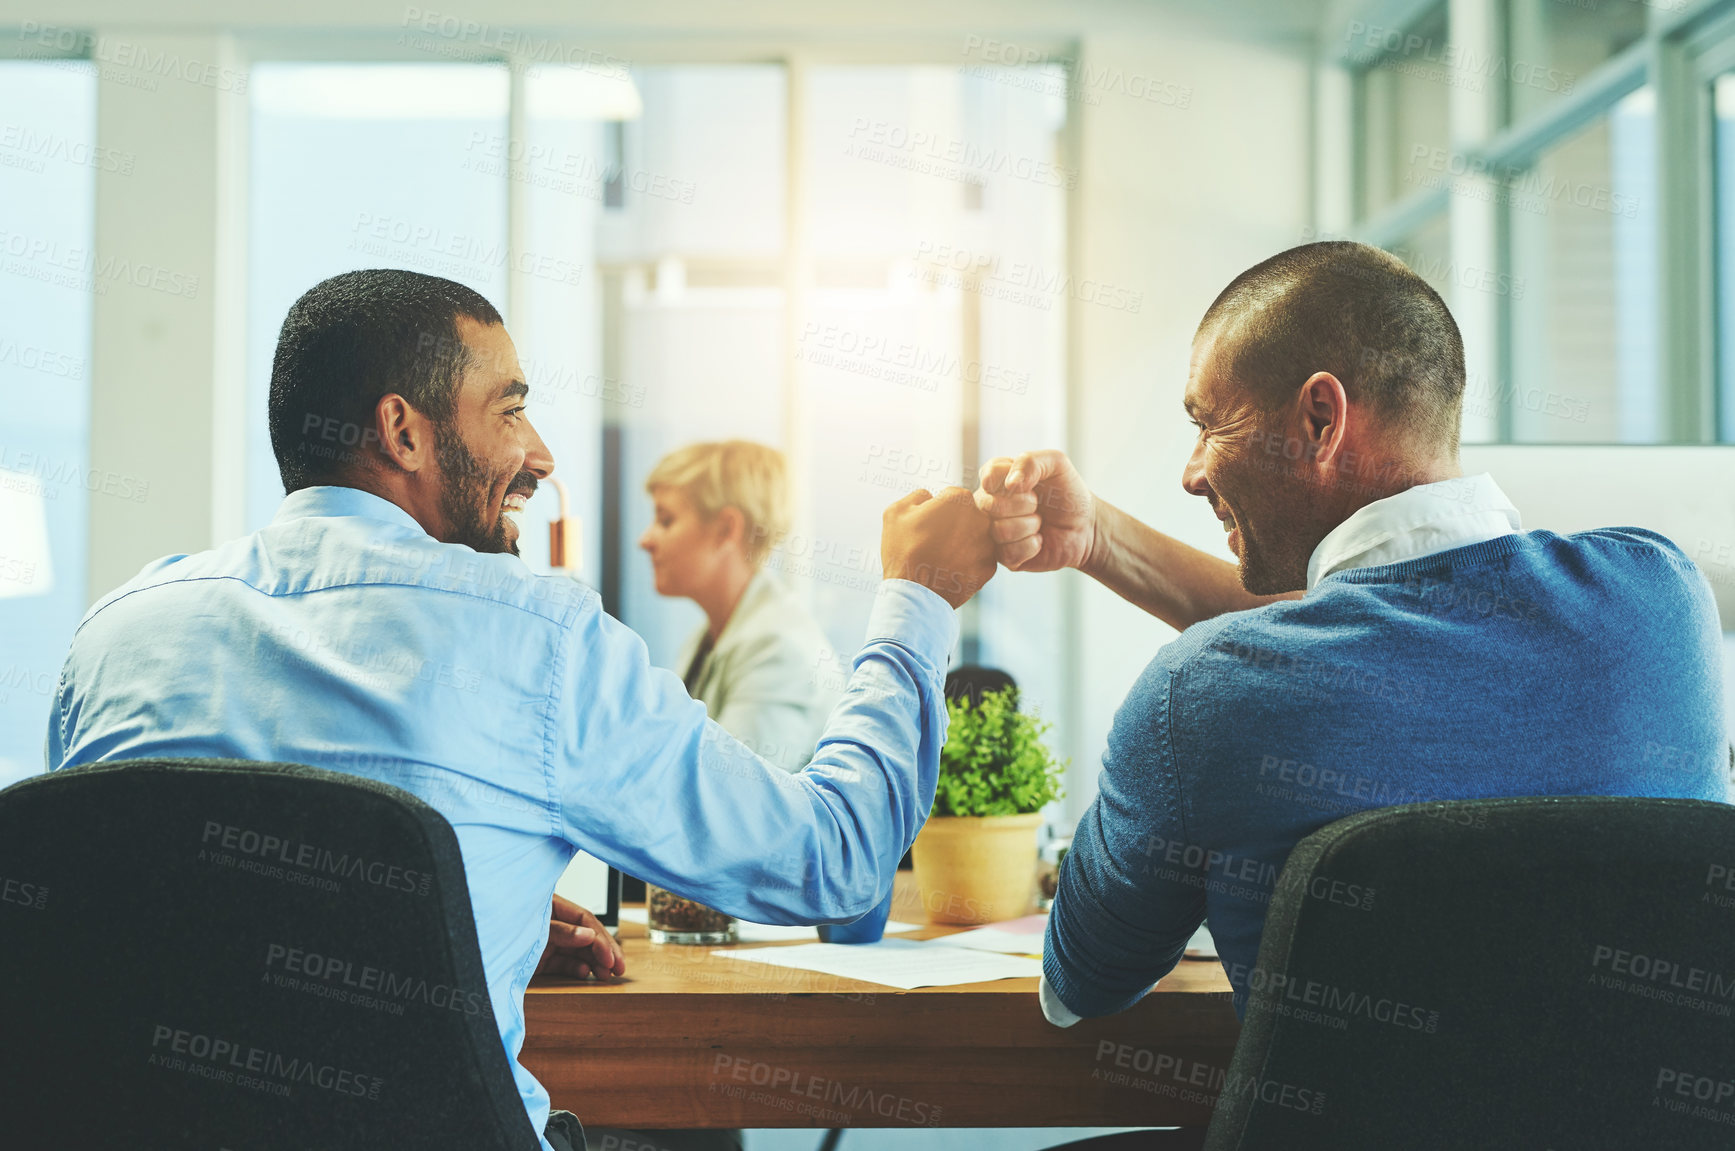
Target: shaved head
x,y
1358,313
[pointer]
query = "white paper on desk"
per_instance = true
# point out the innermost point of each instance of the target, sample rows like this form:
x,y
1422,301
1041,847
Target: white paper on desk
x,y
776,933
1201,946
770,932
901,963
1012,937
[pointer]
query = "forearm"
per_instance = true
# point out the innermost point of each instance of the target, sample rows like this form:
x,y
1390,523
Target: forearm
x,y
653,787
1124,910
1178,584
1112,932
870,784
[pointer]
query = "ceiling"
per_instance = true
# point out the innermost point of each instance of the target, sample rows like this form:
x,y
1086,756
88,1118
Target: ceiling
x,y
859,22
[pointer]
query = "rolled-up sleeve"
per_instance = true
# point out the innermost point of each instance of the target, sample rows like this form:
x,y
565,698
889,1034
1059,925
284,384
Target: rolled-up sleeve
x,y
1131,892
645,781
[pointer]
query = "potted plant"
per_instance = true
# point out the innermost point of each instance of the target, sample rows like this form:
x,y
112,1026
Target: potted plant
x,y
976,856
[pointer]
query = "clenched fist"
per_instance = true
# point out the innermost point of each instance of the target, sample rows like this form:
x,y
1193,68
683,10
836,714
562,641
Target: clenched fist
x,y
939,541
1044,516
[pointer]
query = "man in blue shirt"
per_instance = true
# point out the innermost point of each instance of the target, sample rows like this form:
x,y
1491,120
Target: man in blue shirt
x,y
1389,635
383,626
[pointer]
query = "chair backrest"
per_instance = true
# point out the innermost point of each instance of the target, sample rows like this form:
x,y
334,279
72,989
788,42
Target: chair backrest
x,y
252,956
1524,973
970,682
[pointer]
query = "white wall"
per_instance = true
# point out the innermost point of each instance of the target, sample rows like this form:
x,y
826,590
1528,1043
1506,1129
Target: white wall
x,y
1685,493
168,339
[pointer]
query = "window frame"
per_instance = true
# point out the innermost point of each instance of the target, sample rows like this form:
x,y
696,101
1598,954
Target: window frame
x,y
1708,52
1679,54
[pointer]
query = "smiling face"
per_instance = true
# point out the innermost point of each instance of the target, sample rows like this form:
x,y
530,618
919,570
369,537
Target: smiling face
x,y
1260,495
489,455
686,549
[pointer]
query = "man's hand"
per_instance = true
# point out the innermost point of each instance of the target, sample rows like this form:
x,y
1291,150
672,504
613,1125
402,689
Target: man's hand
x,y
579,946
939,541
1044,517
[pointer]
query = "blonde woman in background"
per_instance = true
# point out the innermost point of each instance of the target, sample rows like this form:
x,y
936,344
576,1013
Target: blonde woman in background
x,y
720,509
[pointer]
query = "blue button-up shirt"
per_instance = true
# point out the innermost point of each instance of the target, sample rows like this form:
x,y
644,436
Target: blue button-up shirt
x,y
345,637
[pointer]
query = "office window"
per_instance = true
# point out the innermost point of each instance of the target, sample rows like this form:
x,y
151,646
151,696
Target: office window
x,y
1554,187
1427,249
49,157
925,333
1403,100
365,166
565,177
1583,227
694,303
1553,45
1723,143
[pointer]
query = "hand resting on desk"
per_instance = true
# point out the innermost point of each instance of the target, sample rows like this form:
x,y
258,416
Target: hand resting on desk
x,y
579,946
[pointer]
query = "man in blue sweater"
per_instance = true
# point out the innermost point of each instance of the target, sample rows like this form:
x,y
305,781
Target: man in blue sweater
x,y
1389,635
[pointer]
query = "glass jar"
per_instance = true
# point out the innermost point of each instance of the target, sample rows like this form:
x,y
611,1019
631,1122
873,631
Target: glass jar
x,y
1053,854
674,919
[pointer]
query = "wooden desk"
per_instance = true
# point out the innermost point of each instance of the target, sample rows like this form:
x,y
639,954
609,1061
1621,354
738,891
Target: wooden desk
x,y
692,1040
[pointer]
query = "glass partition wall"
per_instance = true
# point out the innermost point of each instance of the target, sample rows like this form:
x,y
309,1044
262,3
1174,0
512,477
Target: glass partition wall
x,y
864,266
49,275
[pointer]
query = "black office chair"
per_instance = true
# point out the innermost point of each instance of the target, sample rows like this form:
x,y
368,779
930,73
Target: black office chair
x,y
970,682
1491,974
255,956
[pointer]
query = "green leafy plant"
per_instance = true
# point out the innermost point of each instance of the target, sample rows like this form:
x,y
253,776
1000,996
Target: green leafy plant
x,y
994,761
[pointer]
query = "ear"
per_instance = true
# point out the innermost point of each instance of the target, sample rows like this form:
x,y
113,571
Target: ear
x,y
731,527
1324,417
406,436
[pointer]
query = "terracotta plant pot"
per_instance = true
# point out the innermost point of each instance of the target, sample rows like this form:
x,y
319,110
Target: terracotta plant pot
x,y
977,869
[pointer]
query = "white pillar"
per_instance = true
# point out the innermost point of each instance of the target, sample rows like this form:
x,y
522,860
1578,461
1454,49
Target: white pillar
x,y
1333,155
1475,103
168,339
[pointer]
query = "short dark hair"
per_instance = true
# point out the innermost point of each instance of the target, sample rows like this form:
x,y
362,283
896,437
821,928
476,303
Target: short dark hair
x,y
347,342
1358,313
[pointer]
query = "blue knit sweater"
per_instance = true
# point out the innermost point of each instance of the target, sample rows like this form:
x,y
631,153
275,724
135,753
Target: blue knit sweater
x,y
1532,664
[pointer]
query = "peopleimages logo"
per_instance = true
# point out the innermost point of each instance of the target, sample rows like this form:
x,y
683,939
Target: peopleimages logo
x,y
1663,973
1394,48
47,260
1706,1089
789,1090
949,265
138,57
1720,875
229,845
346,981
1312,1001
38,146
52,474
1176,1078
16,891
244,1065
